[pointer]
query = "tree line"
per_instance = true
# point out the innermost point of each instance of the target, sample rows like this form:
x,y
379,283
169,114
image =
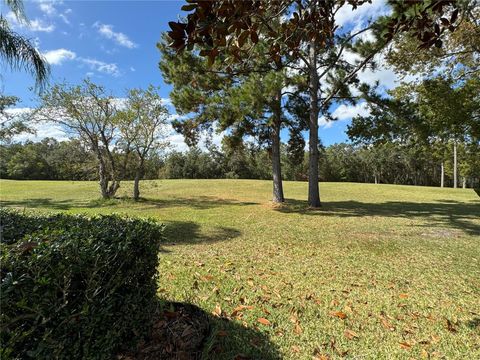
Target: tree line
x,y
388,163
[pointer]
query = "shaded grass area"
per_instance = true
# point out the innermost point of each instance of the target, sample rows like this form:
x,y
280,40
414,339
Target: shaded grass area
x,y
380,271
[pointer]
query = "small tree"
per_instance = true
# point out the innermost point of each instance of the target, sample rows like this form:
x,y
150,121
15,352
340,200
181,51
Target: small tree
x,y
88,112
143,127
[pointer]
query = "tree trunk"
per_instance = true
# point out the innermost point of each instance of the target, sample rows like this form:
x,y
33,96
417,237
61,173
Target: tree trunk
x,y
136,186
442,175
313,188
103,182
102,176
464,182
138,177
376,178
455,182
276,164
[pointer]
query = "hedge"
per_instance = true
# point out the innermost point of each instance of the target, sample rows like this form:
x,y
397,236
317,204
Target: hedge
x,y
74,287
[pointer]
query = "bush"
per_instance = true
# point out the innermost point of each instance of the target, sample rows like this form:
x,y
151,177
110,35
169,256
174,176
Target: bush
x,y
75,287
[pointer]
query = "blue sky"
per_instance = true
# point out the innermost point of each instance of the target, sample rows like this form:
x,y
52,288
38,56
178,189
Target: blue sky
x,y
114,43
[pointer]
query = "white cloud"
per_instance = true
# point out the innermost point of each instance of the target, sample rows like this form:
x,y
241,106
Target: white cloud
x,y
344,112
39,25
362,14
100,66
35,25
120,38
58,56
47,8
42,130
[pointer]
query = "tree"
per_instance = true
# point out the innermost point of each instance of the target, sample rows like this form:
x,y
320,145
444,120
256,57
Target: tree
x,y
19,52
307,39
88,112
248,104
142,124
436,112
10,125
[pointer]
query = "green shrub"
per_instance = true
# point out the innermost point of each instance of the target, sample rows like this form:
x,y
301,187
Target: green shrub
x,y
75,287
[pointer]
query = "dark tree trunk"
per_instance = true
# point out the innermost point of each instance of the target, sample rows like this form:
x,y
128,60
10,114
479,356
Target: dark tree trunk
x,y
103,181
313,188
276,164
102,175
136,182
136,186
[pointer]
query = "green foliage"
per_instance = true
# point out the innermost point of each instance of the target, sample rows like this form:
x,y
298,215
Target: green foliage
x,y
48,159
19,52
75,287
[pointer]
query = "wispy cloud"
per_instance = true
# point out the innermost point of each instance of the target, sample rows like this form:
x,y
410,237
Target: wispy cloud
x,y
48,8
120,38
100,66
35,25
59,56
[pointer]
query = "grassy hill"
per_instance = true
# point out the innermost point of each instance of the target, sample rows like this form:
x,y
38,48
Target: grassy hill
x,y
381,271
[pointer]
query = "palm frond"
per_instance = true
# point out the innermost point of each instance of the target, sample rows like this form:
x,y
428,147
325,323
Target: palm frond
x,y
16,6
19,53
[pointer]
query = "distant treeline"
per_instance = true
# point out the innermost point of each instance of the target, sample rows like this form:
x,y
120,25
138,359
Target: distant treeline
x,y
388,163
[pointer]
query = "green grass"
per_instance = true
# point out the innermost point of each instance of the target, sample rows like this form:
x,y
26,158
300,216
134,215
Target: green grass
x,y
401,262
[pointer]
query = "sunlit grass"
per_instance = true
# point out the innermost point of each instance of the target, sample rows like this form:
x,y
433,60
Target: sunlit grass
x,y
401,264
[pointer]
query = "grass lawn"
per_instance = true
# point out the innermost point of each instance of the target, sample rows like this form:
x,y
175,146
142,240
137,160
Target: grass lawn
x,y
380,272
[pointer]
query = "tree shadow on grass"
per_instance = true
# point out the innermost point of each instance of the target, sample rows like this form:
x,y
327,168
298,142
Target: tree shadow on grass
x,y
198,203
46,203
449,213
185,331
189,232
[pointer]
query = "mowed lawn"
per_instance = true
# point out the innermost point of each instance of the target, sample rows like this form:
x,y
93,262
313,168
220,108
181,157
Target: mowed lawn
x,y
380,272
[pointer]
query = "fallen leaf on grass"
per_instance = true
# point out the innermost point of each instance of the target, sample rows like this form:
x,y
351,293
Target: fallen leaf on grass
x,y
240,308
222,333
264,321
217,311
295,349
403,296
450,327
298,329
339,314
387,325
350,334
405,345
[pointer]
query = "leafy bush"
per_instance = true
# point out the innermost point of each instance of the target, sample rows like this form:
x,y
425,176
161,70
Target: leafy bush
x,y
73,286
